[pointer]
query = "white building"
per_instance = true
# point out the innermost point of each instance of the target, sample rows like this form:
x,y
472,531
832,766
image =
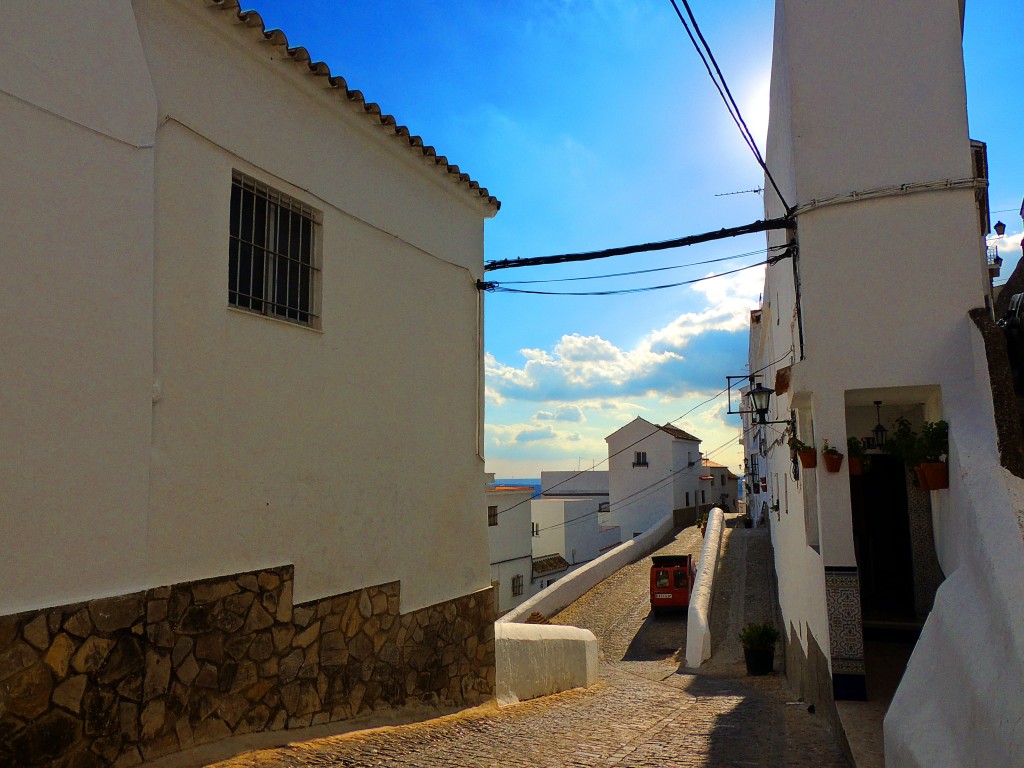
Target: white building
x,y
510,542
570,528
652,471
868,141
719,485
236,296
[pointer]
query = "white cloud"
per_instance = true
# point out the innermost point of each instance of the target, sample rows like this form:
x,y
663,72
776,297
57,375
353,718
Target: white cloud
x,y
679,357
561,413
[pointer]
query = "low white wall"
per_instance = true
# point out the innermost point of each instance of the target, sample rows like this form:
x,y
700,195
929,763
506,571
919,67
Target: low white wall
x,y
567,589
540,659
698,616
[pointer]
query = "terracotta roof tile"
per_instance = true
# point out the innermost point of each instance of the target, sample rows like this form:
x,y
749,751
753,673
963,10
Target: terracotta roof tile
x,y
387,122
678,433
542,566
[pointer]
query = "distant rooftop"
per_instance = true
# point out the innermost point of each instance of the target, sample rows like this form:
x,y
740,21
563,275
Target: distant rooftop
x,y
678,433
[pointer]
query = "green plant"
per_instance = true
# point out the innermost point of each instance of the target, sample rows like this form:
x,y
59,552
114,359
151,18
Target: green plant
x,y
855,447
828,449
796,445
933,444
904,443
759,636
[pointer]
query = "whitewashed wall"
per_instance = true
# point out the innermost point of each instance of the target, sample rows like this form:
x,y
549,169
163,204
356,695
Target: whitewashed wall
x,y
639,496
565,483
173,438
510,544
865,98
76,302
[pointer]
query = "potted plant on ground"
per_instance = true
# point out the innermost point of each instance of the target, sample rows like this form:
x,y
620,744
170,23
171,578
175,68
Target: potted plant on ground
x,y
808,456
855,448
933,450
758,641
833,458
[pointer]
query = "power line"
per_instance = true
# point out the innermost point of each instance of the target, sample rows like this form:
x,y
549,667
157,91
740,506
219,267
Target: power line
x,y
657,429
705,237
499,287
646,271
652,487
723,90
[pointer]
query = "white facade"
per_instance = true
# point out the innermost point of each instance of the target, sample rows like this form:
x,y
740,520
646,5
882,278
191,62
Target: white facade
x,y
509,536
871,100
152,434
652,470
719,485
588,483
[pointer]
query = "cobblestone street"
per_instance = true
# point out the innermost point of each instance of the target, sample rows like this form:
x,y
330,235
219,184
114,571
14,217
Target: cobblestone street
x,y
647,710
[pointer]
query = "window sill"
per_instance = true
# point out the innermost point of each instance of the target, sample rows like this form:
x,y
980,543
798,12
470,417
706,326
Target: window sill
x,y
273,319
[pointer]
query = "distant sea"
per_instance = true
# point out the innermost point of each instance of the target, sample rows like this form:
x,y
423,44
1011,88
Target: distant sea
x,y
531,481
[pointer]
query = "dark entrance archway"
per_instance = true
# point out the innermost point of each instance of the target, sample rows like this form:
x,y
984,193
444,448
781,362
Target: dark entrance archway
x,y
882,541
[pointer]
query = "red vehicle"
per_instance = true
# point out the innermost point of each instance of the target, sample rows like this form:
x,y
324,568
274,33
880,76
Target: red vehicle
x,y
672,579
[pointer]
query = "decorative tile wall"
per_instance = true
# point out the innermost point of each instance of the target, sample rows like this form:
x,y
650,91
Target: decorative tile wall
x,y
846,633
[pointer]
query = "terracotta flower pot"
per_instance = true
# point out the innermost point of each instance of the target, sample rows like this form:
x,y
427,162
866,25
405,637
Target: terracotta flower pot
x,y
856,466
764,484
936,475
833,461
808,458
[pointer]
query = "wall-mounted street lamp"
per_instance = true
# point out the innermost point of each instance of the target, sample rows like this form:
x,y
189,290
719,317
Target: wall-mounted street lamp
x,y
879,431
760,401
1000,229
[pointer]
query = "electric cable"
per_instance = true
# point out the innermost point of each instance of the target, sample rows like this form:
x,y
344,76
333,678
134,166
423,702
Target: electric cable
x,y
648,271
723,90
701,404
495,287
499,287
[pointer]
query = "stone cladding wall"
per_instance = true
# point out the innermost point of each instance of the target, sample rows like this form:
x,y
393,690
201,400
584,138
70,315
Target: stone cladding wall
x,y
120,680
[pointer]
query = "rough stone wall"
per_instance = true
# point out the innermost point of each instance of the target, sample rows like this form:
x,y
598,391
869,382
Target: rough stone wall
x,y
119,680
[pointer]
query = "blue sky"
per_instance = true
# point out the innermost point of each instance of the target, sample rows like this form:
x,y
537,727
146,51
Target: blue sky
x,y
595,124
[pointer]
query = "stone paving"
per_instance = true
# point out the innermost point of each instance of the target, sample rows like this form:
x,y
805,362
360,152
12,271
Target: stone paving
x,y
646,711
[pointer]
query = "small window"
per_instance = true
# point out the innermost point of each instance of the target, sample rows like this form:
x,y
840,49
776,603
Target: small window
x,y
492,515
661,580
536,529
272,264
681,579
640,459
703,500
687,499
723,481
517,585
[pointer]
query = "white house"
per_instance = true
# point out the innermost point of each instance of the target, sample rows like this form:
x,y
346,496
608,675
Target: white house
x,y
236,296
718,485
569,528
881,316
509,538
652,471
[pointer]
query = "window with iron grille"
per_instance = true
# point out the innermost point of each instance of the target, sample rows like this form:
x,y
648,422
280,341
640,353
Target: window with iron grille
x,y
492,515
272,257
517,585
640,458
